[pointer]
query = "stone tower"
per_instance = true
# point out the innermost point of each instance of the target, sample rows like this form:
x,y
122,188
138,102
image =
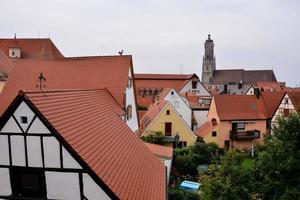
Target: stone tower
x,y
209,61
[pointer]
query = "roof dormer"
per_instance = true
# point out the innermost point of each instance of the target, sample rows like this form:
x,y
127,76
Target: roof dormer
x,y
14,52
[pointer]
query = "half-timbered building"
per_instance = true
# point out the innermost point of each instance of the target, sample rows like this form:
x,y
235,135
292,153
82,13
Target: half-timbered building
x,y
75,145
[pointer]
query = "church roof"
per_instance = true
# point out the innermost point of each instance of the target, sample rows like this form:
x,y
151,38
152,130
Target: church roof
x,y
89,122
221,77
109,72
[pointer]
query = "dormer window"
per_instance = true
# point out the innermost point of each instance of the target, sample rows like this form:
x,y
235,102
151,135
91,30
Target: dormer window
x,y
129,82
14,52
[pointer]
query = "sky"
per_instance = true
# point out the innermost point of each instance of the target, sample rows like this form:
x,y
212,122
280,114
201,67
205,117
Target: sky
x,y
167,36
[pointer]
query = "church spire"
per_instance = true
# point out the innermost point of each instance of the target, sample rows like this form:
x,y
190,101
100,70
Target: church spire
x,y
209,62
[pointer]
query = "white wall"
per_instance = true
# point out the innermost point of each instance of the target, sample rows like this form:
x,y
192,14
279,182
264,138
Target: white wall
x,y
201,116
18,150
5,188
130,100
51,152
200,90
62,185
34,151
168,163
91,190
180,105
4,150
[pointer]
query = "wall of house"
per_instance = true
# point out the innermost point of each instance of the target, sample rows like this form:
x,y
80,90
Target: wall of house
x,y
180,105
178,125
130,100
200,116
2,83
283,105
200,90
31,145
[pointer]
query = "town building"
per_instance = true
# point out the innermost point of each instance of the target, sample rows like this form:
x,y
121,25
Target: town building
x,y
12,49
216,79
240,121
162,117
112,72
74,144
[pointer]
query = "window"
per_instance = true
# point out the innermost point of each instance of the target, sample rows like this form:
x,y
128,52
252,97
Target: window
x,y
24,120
286,101
206,101
240,125
13,53
214,122
129,112
168,112
227,144
286,112
268,124
168,129
214,134
194,84
172,92
28,183
129,82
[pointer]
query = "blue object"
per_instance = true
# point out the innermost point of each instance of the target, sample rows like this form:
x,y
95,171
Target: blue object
x,y
190,186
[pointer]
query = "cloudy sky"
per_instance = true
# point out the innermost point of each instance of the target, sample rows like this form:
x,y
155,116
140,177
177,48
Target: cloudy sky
x,y
167,36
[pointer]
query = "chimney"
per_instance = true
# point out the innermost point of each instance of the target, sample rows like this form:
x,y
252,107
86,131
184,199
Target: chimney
x,y
257,92
225,89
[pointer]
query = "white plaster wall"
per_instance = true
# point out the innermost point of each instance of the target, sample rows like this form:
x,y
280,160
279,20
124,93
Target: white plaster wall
x,y
62,185
168,163
200,90
24,110
5,186
51,152
69,161
38,127
181,107
4,150
200,116
250,91
18,150
11,126
130,100
91,190
34,151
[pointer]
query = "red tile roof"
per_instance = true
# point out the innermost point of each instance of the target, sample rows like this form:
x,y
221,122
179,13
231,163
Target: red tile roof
x,y
6,65
269,86
89,121
109,72
164,76
295,98
160,150
194,101
151,114
238,107
204,129
31,47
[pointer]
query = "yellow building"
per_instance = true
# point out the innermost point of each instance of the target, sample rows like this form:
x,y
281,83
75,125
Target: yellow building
x,y
162,117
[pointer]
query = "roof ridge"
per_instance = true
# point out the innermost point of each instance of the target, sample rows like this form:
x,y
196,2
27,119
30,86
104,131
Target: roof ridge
x,y
22,92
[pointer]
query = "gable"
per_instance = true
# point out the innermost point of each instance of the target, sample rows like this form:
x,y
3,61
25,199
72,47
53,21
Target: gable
x,y
33,145
199,90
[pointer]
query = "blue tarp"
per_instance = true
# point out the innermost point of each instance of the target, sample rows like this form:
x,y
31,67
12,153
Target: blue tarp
x,y
189,185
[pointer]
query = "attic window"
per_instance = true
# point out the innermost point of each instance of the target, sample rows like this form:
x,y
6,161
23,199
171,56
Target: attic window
x,y
172,92
168,112
286,101
194,84
214,122
24,120
214,134
129,83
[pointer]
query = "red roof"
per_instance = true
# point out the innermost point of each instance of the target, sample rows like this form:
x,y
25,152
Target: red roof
x,y
151,114
238,107
160,150
6,65
164,76
31,47
89,121
194,101
204,129
109,72
295,98
269,86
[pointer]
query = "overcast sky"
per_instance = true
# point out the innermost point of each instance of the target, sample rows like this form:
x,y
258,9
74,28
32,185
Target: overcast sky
x,y
167,36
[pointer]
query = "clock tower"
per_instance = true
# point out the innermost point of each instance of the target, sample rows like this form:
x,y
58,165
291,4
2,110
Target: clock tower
x,y
209,61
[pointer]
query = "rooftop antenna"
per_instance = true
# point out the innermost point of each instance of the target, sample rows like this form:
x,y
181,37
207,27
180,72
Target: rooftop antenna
x,y
121,52
15,36
41,81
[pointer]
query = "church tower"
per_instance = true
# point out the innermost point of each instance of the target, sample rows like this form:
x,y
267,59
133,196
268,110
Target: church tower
x,y
209,61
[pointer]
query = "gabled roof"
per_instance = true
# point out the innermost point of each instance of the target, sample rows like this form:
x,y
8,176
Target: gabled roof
x,y
269,85
160,150
243,107
295,98
204,129
89,122
152,113
221,77
31,47
69,73
194,101
161,81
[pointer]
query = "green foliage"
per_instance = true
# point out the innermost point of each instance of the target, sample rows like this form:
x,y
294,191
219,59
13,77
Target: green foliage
x,y
273,174
177,194
155,138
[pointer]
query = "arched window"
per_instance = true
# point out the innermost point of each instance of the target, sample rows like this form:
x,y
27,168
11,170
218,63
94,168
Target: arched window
x,y
214,122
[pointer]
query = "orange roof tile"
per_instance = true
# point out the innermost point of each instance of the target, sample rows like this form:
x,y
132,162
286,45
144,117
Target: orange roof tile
x,y
160,150
6,65
69,73
31,47
204,129
272,101
295,98
269,86
151,114
89,121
